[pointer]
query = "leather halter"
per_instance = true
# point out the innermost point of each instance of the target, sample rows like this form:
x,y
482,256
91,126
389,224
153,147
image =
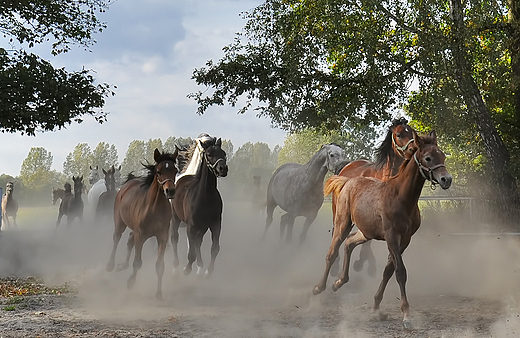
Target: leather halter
x,y
429,170
402,149
212,167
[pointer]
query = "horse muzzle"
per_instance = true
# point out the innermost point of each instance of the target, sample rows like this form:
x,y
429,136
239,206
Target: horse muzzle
x,y
443,179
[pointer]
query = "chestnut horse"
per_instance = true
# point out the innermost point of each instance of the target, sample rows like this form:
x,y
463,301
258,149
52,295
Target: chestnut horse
x,y
71,203
383,210
198,203
397,144
143,205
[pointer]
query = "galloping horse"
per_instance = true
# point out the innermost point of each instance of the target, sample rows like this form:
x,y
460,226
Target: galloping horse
x,y
390,154
72,204
298,189
97,186
105,204
9,205
143,205
198,202
383,210
57,194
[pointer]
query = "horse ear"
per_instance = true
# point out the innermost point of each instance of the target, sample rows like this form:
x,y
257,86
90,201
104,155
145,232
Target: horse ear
x,y
104,172
73,178
433,135
157,155
119,167
416,139
219,143
176,152
81,178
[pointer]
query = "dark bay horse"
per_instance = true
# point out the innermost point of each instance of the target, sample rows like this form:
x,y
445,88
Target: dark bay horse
x,y
383,210
9,205
397,144
105,204
143,205
298,189
198,204
57,194
71,204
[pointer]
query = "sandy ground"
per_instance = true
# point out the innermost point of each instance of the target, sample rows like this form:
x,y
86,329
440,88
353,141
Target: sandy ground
x,y
458,286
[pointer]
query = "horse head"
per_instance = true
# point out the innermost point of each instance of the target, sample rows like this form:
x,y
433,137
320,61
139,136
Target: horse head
x,y
216,159
110,181
93,177
9,187
402,138
335,156
165,171
117,176
78,185
430,160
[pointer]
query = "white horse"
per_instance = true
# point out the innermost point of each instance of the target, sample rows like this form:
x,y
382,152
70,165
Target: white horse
x,y
97,186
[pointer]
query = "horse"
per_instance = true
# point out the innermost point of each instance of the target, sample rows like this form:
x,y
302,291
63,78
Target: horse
x,y
384,210
143,205
298,189
57,194
105,204
117,176
397,144
71,203
198,202
9,205
93,176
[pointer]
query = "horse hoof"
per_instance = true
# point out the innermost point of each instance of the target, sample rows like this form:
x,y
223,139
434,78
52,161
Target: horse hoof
x,y
158,296
187,271
336,285
317,290
122,267
131,282
408,325
380,316
110,267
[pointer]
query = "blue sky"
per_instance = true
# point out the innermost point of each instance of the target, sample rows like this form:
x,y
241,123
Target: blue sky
x,y
149,50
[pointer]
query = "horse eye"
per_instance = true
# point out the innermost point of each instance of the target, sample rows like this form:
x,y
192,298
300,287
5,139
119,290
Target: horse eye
x,y
398,135
428,158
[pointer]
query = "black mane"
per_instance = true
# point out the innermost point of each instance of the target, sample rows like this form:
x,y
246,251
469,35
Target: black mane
x,y
148,179
385,148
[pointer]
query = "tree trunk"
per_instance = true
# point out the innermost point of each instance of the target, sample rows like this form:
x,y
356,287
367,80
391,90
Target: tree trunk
x,y
513,22
495,149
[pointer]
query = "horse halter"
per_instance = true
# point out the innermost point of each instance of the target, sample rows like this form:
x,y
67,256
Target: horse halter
x,y
429,171
213,167
163,182
402,149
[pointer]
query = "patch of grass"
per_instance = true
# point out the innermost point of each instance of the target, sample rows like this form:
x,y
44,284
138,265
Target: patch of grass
x,y
18,287
9,308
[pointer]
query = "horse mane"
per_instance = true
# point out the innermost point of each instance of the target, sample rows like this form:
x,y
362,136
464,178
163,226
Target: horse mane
x,y
385,148
186,154
148,179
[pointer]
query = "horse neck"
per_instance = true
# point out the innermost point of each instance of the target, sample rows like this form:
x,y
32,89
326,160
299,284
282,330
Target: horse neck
x,y
394,161
316,168
155,194
410,182
206,178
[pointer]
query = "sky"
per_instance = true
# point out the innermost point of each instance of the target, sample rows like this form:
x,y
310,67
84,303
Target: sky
x,y
149,51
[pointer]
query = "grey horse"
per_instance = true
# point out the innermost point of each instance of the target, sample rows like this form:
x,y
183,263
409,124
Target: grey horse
x,y
298,189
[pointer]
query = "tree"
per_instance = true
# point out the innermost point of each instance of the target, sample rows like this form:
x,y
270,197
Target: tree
x,y
78,162
320,63
134,158
33,94
105,155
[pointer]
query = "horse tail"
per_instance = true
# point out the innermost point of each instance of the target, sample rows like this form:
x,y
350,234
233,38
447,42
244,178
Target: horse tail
x,y
334,185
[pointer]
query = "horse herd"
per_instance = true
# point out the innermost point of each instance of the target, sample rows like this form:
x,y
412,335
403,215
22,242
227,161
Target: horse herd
x,y
380,198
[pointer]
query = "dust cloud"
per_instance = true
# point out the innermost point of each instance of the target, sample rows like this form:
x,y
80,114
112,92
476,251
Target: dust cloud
x,y
264,288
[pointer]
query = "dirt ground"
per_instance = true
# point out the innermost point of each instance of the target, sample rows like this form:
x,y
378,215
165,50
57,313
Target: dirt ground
x,y
458,286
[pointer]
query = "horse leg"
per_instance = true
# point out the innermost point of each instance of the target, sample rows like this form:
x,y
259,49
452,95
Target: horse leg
x,y
138,261
162,240
283,224
366,255
351,242
129,247
175,240
271,204
192,255
119,228
215,247
308,221
198,254
387,274
341,229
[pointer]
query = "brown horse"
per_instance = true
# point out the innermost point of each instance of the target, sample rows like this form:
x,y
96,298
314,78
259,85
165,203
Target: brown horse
x,y
105,203
143,205
198,204
384,210
390,154
57,194
71,203
9,205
